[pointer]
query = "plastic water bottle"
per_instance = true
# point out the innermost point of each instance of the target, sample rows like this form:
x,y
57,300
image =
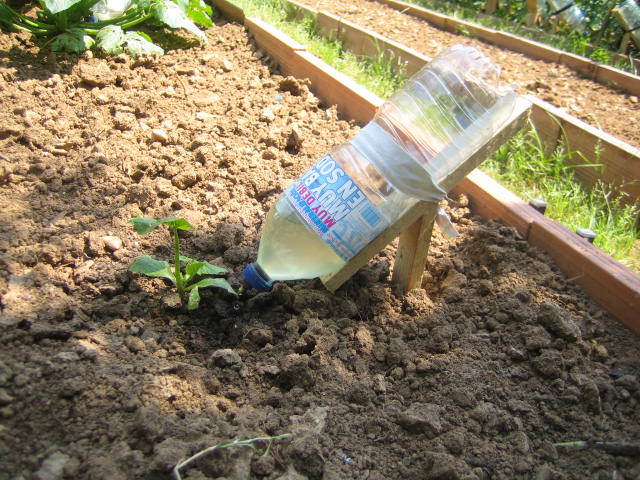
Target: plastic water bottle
x,y
630,12
109,9
442,115
569,13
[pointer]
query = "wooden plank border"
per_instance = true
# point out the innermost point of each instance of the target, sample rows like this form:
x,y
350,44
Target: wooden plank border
x,y
586,66
608,282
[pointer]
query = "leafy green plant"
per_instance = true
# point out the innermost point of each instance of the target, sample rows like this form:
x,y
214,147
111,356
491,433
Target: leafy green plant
x,y
197,274
71,27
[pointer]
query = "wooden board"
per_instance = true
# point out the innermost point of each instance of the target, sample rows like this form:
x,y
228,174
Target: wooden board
x,y
619,78
490,200
366,42
609,283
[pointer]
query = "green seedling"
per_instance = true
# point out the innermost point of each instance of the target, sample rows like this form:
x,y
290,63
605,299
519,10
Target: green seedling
x,y
196,275
71,26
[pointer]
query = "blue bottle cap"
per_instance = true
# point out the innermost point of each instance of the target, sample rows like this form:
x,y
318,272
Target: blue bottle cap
x,y
257,277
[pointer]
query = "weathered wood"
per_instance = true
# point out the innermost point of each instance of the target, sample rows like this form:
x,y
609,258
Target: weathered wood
x,y
361,41
533,15
491,6
413,247
609,283
489,199
628,36
622,80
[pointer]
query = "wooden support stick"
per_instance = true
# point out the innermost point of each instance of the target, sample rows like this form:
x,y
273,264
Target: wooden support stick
x,y
413,248
333,281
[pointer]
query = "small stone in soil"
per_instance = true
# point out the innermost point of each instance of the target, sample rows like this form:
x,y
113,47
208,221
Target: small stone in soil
x,y
111,242
225,357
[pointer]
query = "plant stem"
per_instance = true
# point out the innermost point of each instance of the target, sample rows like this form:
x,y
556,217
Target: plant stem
x,y
236,443
176,262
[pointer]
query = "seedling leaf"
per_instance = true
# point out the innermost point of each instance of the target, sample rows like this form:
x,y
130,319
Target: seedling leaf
x,y
74,40
213,282
210,269
171,14
152,268
144,225
192,268
138,43
111,39
177,223
56,6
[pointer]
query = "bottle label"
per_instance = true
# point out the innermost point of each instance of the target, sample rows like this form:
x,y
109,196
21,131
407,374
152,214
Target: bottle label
x,y
335,208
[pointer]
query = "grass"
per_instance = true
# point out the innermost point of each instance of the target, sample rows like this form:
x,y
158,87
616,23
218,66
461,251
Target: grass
x,y
521,165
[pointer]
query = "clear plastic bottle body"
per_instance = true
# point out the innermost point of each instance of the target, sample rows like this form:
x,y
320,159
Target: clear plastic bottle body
x,y
417,138
290,249
569,13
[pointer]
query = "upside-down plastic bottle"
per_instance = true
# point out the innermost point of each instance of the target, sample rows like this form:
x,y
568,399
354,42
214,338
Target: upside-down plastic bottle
x,y
441,116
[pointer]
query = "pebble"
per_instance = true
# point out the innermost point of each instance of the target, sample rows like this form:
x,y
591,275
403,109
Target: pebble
x,y
227,65
172,301
96,75
184,180
5,398
423,418
53,467
225,357
558,321
267,116
111,242
159,135
135,344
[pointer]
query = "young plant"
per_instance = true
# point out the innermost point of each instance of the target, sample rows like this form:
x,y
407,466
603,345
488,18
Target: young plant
x,y
196,275
71,25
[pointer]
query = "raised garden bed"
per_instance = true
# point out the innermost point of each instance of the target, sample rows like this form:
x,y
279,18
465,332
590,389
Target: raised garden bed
x,y
103,376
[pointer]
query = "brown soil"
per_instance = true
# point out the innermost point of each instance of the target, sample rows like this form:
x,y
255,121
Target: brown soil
x,y
614,111
104,376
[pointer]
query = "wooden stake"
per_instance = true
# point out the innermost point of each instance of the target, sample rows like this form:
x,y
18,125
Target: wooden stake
x,y
413,248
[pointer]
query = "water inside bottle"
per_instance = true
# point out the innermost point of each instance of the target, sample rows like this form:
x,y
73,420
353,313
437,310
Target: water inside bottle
x,y
290,249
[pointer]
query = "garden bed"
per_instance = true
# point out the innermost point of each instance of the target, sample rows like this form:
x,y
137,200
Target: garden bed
x,y
104,376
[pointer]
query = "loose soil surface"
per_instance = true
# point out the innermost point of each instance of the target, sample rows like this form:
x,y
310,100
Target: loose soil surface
x,y
612,110
103,375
